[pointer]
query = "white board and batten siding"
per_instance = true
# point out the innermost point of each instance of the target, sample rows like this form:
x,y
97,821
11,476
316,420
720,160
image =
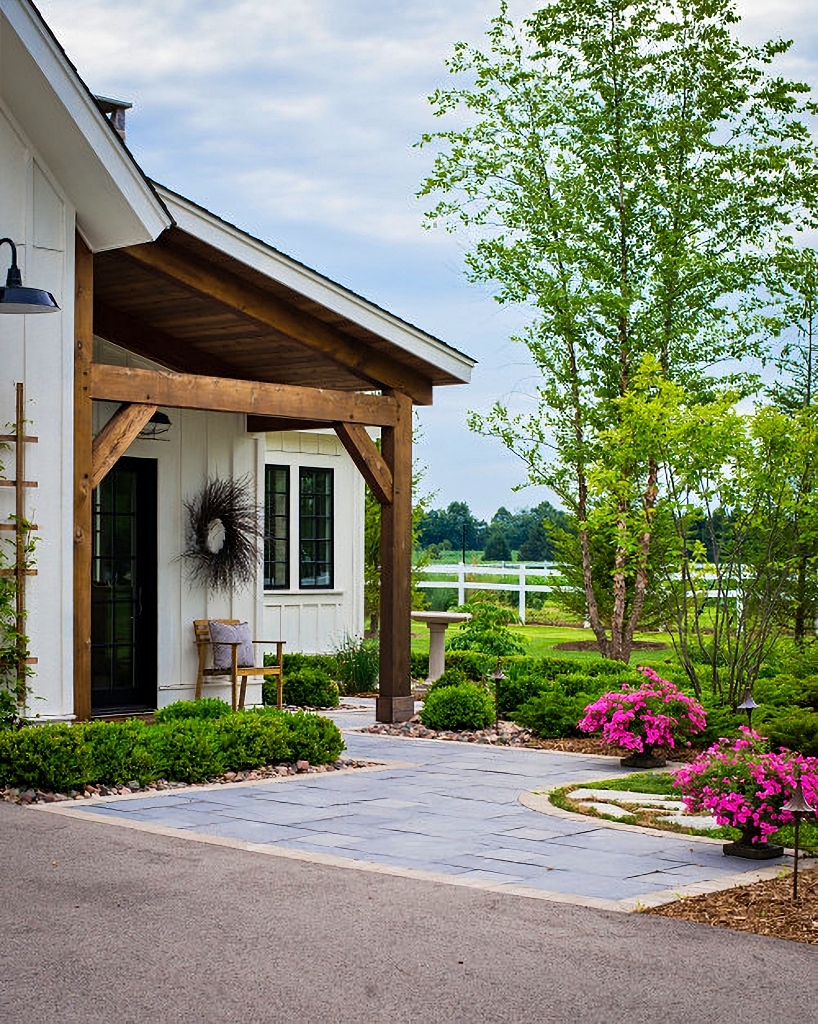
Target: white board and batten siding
x,y
203,445
38,351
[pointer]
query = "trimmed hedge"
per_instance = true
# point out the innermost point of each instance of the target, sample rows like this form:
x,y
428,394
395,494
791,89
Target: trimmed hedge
x,y
303,688
467,706
190,747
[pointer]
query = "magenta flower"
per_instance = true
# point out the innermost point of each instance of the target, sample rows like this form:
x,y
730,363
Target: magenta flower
x,y
658,714
742,784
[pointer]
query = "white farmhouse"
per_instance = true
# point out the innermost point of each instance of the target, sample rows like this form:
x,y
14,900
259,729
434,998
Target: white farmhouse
x,y
184,351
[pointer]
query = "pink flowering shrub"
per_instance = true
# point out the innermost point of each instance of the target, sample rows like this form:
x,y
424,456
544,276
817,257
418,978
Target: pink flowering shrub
x,y
742,784
657,714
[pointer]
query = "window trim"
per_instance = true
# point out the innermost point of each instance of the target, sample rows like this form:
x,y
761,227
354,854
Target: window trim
x,y
269,537
329,473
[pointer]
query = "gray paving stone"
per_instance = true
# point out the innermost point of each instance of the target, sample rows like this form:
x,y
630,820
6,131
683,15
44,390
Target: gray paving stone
x,y
454,812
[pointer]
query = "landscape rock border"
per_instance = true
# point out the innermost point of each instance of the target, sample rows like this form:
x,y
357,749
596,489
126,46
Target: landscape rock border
x,y
25,797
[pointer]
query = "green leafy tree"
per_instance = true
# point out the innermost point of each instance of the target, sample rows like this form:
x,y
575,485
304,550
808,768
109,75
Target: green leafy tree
x,y
735,478
793,282
624,166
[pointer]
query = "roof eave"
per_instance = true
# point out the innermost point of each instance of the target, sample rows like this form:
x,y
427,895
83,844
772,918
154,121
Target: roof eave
x,y
116,204
253,252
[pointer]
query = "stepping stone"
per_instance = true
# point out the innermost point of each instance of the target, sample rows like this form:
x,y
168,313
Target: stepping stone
x,y
629,796
612,810
691,820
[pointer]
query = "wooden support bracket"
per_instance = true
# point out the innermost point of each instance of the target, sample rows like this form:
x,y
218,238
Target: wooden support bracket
x,y
364,453
116,437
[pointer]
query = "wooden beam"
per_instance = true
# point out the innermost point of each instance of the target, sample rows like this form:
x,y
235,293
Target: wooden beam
x,y
116,437
131,333
260,305
364,453
273,424
83,461
395,703
218,394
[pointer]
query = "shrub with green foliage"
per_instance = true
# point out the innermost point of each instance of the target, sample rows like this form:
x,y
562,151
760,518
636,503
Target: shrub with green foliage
x,y
467,706
452,676
553,713
53,756
250,740
477,666
313,738
797,730
304,688
357,664
295,661
182,710
9,711
121,751
419,665
186,749
528,677
487,631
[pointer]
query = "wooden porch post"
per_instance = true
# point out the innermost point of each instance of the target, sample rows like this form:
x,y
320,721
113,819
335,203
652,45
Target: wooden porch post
x,y
395,703
83,461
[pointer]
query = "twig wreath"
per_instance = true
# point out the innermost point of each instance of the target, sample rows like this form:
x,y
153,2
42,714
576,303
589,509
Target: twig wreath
x,y
229,508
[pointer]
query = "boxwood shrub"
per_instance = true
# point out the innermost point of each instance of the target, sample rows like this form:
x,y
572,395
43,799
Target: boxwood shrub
x,y
467,706
186,748
452,676
181,710
305,688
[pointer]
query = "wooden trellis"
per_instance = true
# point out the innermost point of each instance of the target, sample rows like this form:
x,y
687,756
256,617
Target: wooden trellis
x,y
22,530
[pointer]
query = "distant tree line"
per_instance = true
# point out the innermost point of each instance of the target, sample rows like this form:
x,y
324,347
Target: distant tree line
x,y
527,534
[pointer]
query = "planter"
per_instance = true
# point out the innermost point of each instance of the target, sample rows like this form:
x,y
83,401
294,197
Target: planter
x,y
644,759
745,847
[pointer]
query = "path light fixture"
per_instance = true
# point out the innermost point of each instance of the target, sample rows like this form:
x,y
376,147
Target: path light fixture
x,y
498,676
748,705
798,807
14,298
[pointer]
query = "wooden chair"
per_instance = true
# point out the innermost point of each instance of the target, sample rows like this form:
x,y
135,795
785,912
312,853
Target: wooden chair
x,y
201,630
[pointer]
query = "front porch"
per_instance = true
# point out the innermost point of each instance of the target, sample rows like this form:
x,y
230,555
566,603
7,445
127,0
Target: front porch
x,y
225,337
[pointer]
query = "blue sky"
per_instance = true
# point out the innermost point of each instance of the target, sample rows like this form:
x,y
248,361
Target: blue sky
x,y
295,119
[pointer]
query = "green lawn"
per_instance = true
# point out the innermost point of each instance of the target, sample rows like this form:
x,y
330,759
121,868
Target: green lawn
x,y
541,641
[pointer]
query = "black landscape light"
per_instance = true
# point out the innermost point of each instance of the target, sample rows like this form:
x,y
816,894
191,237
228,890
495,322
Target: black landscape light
x,y
498,676
14,298
798,807
748,705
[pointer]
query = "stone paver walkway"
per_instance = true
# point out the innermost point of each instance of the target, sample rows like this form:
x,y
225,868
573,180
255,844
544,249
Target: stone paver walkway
x,y
447,811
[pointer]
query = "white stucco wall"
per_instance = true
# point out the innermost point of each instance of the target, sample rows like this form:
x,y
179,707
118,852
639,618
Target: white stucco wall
x,y
38,350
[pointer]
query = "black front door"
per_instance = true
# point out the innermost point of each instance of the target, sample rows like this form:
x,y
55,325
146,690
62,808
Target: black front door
x,y
123,589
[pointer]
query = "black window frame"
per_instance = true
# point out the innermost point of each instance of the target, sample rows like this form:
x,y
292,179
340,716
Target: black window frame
x,y
316,546
272,518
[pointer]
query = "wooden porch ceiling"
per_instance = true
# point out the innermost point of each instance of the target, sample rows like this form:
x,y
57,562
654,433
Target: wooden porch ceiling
x,y
193,309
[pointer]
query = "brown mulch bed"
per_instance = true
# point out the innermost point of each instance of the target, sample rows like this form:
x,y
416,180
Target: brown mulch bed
x,y
766,908
593,645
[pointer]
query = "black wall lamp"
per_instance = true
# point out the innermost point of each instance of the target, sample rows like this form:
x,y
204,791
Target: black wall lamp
x,y
14,298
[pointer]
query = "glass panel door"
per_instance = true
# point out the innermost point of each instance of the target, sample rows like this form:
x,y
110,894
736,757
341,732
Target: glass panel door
x,y
123,589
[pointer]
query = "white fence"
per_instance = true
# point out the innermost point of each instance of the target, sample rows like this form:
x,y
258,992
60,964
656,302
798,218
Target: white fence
x,y
467,577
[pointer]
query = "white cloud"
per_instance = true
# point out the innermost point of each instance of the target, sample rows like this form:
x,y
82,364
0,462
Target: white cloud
x,y
295,120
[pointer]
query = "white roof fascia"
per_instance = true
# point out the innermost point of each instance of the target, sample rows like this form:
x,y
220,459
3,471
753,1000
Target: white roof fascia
x,y
115,204
254,253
